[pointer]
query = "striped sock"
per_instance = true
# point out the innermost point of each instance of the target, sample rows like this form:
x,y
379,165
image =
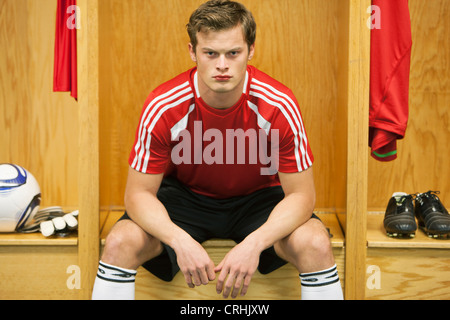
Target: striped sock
x,y
113,283
321,285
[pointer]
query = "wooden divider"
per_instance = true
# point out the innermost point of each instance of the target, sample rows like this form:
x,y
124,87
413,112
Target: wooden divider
x,y
88,103
357,157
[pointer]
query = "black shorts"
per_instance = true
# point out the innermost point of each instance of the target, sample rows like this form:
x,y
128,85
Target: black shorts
x,y
204,218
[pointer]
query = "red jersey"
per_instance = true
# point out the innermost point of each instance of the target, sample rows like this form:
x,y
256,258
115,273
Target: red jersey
x,y
65,60
389,78
222,153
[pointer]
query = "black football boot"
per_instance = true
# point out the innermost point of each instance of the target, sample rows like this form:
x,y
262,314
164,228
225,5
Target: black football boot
x,y
399,219
432,216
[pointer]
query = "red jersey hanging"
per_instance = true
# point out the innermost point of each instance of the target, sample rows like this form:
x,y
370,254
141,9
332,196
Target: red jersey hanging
x,y
389,77
65,63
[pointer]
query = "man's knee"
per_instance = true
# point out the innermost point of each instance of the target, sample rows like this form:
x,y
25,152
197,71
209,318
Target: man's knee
x,y
116,241
312,237
129,246
320,244
309,246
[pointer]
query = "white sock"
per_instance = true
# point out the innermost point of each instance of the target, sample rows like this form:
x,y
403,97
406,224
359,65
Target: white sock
x,y
321,285
113,283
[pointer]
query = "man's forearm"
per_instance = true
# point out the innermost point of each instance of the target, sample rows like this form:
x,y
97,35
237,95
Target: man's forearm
x,y
290,213
151,215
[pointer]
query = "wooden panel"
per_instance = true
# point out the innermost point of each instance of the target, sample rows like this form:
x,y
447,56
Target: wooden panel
x,y
297,43
339,178
408,274
138,52
415,268
47,278
39,127
423,154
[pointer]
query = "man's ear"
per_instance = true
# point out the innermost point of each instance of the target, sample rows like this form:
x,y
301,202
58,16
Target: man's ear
x,y
192,53
251,52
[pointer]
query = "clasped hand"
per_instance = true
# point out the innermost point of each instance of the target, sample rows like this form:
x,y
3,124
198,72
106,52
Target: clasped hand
x,y
236,269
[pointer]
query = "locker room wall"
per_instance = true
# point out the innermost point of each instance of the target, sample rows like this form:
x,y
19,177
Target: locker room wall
x,y
144,43
39,127
424,153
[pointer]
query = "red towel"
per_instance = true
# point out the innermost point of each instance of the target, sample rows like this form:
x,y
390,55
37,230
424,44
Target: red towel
x,y
389,77
65,61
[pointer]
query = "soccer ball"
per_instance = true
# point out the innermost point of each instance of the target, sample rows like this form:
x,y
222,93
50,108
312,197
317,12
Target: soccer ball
x,y
20,197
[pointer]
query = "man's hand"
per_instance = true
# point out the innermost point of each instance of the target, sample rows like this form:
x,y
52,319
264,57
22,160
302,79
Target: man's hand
x,y
195,264
237,268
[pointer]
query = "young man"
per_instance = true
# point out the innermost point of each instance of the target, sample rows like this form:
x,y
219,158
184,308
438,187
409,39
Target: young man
x,y
220,152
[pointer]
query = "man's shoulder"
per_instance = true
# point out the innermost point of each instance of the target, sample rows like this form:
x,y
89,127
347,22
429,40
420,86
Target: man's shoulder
x,y
171,96
262,79
269,93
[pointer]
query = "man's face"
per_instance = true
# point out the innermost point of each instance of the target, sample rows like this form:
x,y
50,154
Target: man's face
x,y
221,59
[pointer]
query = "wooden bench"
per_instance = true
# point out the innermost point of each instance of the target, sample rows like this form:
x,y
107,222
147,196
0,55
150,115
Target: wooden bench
x,y
281,284
35,267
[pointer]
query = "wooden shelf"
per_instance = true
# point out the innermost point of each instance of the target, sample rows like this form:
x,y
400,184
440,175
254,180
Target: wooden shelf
x,y
377,238
36,239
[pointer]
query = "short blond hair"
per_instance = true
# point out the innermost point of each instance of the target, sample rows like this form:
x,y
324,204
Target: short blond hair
x,y
218,15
